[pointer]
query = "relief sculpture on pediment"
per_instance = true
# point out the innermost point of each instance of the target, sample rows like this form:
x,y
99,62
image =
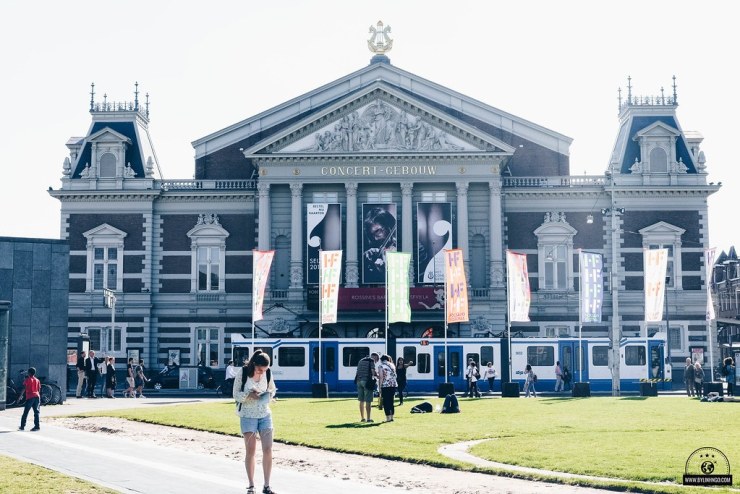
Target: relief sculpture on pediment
x,y
381,127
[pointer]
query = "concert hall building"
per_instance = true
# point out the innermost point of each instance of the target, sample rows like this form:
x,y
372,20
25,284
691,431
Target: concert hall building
x,y
320,171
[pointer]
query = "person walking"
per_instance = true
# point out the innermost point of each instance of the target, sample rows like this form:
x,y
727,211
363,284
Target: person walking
x,y
229,376
729,371
559,384
401,367
110,378
388,384
365,382
139,380
91,373
529,382
698,378
102,369
688,377
489,374
253,390
130,381
80,374
472,374
32,388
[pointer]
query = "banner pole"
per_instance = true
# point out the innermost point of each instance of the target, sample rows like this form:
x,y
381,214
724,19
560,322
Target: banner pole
x,y
508,317
254,265
580,316
321,306
387,325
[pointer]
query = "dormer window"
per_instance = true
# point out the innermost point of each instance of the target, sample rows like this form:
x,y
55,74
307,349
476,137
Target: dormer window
x,y
658,161
107,166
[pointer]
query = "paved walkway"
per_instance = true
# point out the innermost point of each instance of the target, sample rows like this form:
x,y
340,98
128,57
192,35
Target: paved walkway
x,y
134,467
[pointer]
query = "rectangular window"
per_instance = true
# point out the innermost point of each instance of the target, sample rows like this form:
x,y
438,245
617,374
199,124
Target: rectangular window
x,y
441,364
676,339
103,342
382,197
322,197
634,355
409,354
540,355
555,267
330,359
291,356
423,363
475,357
601,356
351,355
207,346
434,196
455,364
105,268
208,261
486,355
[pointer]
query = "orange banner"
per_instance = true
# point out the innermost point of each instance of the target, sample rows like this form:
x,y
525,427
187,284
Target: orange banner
x,y
456,287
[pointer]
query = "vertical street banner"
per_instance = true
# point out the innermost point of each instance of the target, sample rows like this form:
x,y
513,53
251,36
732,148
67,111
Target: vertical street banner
x,y
397,288
656,263
331,267
261,261
323,232
709,257
434,235
592,286
379,235
519,296
456,287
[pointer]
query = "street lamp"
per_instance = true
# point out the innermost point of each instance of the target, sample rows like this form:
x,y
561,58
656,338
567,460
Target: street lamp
x,y
616,332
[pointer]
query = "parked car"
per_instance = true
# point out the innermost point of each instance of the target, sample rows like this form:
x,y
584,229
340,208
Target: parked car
x,y
169,378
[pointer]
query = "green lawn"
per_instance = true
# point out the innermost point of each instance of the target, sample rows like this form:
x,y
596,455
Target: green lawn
x,y
17,477
629,438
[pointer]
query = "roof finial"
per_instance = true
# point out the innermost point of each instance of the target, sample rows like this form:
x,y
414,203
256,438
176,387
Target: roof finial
x,y
147,105
92,96
675,94
380,43
136,96
662,96
619,96
629,90
105,101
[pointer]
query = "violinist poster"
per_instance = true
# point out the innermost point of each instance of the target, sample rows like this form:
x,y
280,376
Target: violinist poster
x,y
434,234
323,232
379,234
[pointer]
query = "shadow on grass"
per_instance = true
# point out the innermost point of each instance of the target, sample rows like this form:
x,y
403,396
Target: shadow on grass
x,y
634,398
327,400
353,425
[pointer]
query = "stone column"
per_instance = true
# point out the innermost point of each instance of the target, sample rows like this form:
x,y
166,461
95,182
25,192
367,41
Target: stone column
x,y
496,232
462,224
352,271
263,235
296,236
407,236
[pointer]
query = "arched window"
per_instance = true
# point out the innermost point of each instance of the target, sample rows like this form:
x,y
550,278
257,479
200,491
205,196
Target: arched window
x,y
108,166
658,161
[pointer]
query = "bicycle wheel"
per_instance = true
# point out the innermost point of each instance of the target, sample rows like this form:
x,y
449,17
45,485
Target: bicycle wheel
x,y
20,397
56,394
10,396
46,393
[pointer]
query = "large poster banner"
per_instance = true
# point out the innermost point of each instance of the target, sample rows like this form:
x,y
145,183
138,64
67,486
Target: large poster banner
x,y
434,235
709,256
379,235
399,307
519,296
592,286
261,261
456,286
331,267
323,232
656,262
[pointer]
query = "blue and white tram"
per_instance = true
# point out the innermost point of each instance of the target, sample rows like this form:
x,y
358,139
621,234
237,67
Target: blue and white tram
x,y
295,360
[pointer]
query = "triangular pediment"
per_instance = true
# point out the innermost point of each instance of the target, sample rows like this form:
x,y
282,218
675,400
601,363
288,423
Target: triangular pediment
x,y
379,120
208,226
103,231
662,229
108,135
657,129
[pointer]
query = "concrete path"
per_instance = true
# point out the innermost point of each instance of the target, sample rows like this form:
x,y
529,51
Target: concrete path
x,y
136,467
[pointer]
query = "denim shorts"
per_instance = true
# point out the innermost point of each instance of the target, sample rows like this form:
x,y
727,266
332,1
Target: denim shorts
x,y
255,425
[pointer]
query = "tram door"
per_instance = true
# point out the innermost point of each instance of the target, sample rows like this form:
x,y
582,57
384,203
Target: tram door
x,y
328,363
453,366
657,369
570,358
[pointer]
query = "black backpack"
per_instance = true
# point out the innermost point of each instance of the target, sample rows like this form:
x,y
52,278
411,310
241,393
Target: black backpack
x,y
423,407
450,405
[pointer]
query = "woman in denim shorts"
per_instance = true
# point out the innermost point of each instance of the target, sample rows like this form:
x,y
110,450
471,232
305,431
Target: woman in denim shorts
x,y
253,391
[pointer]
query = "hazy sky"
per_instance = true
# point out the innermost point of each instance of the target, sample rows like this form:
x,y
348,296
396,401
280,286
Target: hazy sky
x,y
208,65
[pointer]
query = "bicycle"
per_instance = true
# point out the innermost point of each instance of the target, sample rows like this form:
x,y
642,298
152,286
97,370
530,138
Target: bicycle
x,y
56,396
15,395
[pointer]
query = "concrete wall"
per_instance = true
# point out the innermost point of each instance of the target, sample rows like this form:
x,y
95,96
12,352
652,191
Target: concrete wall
x,y
34,277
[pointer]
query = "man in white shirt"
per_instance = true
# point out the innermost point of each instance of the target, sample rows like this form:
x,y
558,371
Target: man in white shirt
x,y
229,376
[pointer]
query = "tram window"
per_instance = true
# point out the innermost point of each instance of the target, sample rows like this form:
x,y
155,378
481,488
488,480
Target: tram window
x,y
486,354
600,356
423,364
351,355
267,350
409,354
441,364
291,357
474,357
329,359
240,355
540,355
634,355
454,363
